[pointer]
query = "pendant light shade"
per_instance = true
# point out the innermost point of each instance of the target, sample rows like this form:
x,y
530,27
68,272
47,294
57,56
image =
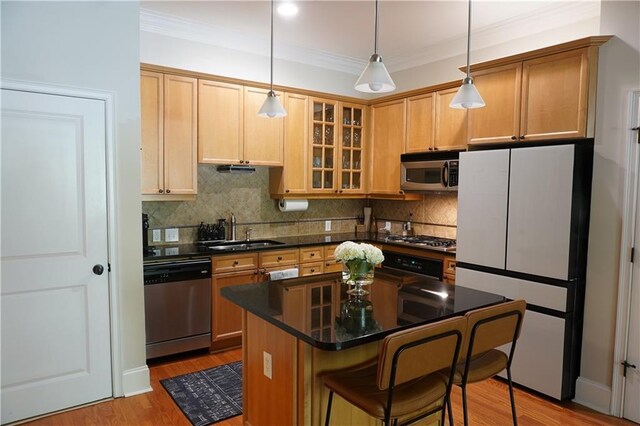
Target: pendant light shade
x,y
468,96
375,78
271,108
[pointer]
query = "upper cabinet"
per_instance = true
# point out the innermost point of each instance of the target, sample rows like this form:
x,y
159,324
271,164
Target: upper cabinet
x,y
230,131
292,178
220,122
545,94
169,135
387,143
337,143
432,125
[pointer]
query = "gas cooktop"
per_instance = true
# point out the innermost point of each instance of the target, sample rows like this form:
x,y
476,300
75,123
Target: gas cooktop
x,y
425,241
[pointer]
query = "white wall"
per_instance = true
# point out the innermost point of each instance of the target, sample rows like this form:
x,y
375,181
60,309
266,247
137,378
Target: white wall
x,y
159,49
618,75
94,45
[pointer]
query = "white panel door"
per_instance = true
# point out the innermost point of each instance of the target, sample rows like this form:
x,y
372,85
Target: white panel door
x,y
55,309
482,207
539,227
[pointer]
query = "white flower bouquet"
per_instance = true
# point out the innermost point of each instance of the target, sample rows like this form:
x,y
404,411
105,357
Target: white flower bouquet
x,y
359,260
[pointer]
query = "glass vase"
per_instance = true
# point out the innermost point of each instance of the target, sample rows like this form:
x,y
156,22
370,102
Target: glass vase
x,y
358,275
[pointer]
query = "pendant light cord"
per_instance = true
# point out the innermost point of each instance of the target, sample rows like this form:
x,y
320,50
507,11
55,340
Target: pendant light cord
x,y
271,76
469,40
375,34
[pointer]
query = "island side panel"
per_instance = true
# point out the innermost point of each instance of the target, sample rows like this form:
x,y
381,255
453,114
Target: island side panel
x,y
268,401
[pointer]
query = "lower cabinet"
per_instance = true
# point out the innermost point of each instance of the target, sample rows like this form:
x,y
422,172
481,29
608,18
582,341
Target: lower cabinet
x,y
226,317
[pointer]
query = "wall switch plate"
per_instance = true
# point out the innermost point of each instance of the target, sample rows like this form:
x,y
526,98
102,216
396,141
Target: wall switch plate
x,y
267,364
387,225
327,225
171,235
157,236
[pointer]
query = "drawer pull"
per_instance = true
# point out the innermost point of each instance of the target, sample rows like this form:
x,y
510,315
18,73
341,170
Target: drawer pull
x,y
312,254
312,270
235,262
279,258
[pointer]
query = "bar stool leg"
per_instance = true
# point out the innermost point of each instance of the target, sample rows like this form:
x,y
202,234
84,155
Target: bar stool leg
x,y
464,404
513,401
328,416
449,411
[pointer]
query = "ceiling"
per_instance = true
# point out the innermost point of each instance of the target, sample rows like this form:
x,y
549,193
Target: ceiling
x,y
342,32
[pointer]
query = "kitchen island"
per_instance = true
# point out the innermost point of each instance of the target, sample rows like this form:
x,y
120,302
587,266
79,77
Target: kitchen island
x,y
296,329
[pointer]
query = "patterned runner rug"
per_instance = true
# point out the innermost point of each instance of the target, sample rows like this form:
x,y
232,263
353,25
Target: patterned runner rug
x,y
208,396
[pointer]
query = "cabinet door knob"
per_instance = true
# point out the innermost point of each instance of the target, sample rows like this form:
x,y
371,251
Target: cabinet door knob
x,y
168,191
521,136
235,262
513,138
279,258
160,191
246,161
287,191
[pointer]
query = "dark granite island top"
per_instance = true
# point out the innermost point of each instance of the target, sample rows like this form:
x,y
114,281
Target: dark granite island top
x,y
317,309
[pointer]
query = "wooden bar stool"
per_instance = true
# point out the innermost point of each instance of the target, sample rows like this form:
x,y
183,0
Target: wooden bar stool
x,y
405,384
487,329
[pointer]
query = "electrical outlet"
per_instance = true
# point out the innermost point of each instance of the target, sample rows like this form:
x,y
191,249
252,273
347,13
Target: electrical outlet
x,y
267,364
171,235
387,225
157,236
327,225
171,251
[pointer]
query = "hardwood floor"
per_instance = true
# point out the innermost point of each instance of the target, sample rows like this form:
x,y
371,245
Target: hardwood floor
x,y
488,403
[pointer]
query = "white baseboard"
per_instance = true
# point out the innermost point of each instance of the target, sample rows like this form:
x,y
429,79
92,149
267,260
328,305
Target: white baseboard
x,y
136,381
593,395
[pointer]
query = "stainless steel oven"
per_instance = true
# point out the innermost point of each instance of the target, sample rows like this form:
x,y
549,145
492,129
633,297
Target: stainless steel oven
x,y
177,306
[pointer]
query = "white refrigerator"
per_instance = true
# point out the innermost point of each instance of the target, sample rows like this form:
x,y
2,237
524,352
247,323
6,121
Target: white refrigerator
x,y
523,222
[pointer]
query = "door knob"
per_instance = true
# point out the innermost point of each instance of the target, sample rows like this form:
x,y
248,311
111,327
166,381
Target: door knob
x,y
98,269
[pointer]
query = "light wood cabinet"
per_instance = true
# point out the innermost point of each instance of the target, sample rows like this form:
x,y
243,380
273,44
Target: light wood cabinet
x,y
421,116
278,258
542,98
292,178
387,143
169,135
337,147
230,131
449,272
432,125
220,122
311,260
330,264
263,137
226,317
451,123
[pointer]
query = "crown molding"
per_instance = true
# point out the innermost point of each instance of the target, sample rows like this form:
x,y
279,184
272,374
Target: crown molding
x,y
172,26
556,15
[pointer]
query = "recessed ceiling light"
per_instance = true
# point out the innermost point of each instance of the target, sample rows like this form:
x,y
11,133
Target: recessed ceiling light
x,y
287,9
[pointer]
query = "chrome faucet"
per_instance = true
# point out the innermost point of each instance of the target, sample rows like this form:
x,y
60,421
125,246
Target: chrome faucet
x,y
232,234
248,234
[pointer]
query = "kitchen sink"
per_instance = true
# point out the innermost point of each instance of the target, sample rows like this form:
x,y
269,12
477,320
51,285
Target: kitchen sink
x,y
243,245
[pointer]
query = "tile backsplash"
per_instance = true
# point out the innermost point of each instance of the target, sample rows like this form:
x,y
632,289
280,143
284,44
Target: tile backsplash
x,y
247,196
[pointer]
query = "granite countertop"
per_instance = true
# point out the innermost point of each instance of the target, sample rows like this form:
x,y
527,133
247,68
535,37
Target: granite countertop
x,y
318,310
197,250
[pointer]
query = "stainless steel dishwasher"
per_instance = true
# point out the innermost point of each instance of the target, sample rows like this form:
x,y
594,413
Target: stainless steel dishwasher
x,y
177,306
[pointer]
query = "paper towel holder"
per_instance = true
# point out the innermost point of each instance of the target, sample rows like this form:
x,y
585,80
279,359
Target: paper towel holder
x,y
293,205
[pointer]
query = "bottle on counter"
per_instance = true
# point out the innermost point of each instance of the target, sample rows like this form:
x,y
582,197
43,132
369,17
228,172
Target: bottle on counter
x,y
233,230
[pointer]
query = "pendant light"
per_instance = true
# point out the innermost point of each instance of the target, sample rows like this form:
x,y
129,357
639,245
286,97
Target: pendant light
x,y
271,108
467,96
375,78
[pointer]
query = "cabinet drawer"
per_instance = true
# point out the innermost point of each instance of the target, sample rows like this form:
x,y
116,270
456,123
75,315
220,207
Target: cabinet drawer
x,y
332,266
329,251
449,266
314,268
278,257
311,254
234,262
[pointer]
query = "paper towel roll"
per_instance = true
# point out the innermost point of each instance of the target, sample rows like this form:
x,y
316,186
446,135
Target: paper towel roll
x,y
293,205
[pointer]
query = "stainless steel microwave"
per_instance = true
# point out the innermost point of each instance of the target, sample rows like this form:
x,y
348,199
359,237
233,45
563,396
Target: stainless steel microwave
x,y
429,171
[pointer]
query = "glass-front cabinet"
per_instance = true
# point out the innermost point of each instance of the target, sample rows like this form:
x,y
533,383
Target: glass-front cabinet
x,y
337,147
